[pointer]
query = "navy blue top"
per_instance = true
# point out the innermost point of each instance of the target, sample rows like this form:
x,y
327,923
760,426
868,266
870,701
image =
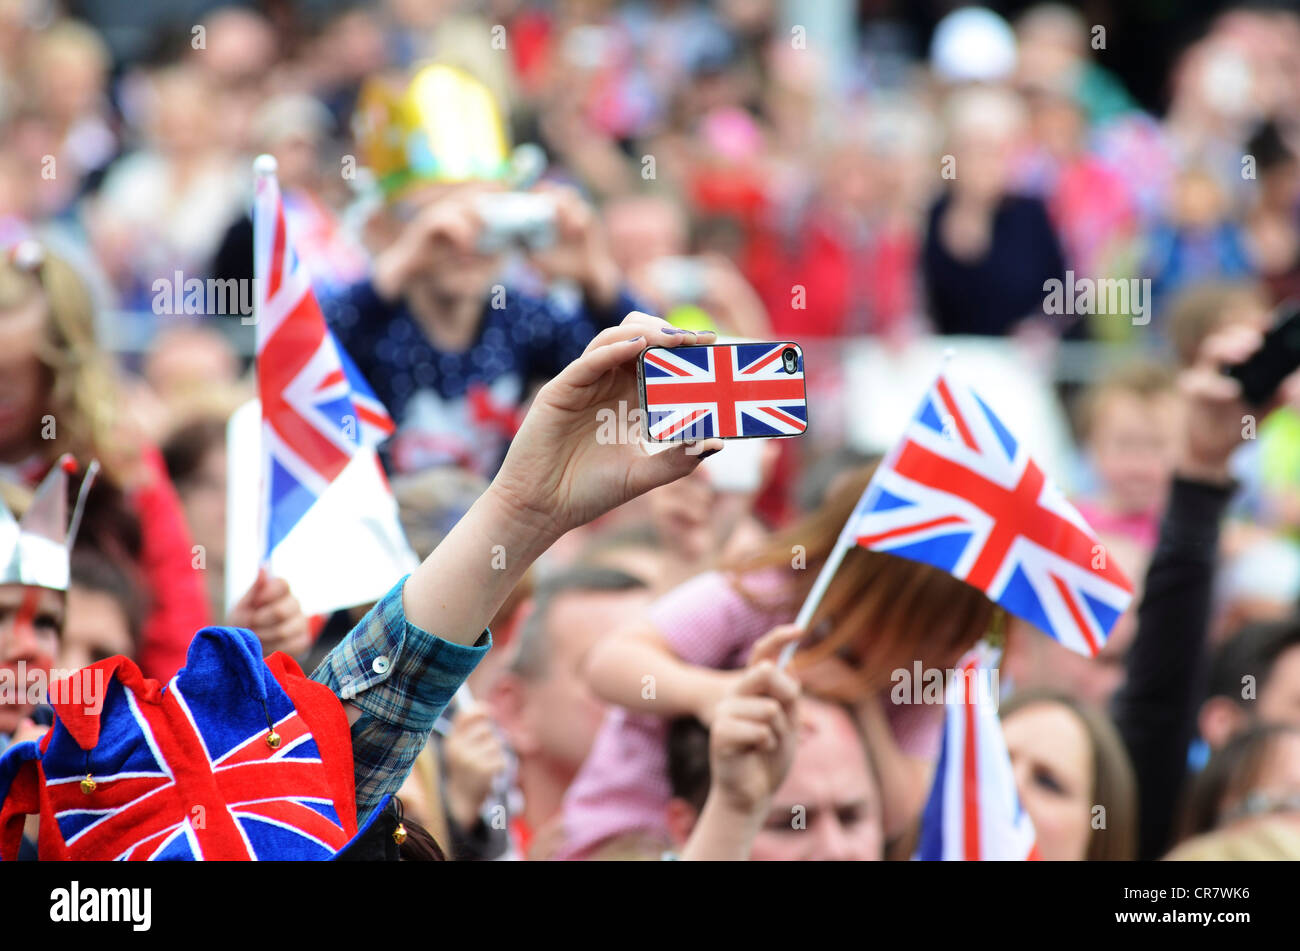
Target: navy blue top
x,y
460,408
991,295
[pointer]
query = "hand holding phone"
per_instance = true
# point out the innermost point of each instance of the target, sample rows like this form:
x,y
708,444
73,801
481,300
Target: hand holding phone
x,y
1278,357
731,391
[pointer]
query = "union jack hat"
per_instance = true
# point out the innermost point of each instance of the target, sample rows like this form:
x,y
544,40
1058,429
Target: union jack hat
x,y
236,758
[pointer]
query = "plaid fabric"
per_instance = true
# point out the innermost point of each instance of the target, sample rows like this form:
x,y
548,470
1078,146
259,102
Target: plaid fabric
x,y
400,677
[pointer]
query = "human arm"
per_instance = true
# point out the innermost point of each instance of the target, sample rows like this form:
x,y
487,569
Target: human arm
x,y
394,674
1154,710
618,667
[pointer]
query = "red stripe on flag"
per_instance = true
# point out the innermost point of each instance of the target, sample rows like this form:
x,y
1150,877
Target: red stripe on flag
x,y
277,252
1079,621
786,417
971,787
866,541
654,360
764,362
1015,512
946,395
381,421
684,423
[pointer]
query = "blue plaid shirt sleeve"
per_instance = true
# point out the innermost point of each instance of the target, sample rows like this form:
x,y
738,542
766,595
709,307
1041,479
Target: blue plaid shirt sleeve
x,y
400,677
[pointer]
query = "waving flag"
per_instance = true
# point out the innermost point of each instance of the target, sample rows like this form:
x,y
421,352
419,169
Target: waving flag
x,y
316,408
974,811
961,493
723,390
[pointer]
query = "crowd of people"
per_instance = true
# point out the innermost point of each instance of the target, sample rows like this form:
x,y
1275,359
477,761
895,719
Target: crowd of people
x,y
742,169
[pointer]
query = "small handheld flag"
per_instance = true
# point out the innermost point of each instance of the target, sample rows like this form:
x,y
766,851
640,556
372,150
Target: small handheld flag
x,y
961,493
974,812
317,410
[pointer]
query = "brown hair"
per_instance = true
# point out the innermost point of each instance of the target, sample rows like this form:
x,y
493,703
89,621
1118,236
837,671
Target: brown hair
x,y
1113,784
1201,310
1144,379
880,612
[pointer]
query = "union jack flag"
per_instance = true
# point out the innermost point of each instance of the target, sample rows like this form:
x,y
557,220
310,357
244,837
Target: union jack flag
x,y
316,407
961,493
189,774
723,390
974,812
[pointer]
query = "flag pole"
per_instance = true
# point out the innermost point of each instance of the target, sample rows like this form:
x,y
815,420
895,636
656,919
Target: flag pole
x,y
810,603
264,169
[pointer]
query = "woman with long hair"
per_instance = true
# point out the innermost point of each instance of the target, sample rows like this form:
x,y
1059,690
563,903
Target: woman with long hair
x,y
1073,775
58,394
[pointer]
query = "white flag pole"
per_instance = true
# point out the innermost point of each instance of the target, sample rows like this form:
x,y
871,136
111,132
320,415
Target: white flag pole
x,y
810,603
264,168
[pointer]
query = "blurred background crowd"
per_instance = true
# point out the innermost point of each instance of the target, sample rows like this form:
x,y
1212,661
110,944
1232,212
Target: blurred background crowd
x,y
875,180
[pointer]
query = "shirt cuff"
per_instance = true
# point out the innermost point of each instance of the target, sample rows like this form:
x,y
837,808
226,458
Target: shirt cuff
x,y
418,671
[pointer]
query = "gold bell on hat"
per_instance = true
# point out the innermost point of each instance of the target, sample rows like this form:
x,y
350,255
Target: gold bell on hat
x,y
399,834
273,740
88,785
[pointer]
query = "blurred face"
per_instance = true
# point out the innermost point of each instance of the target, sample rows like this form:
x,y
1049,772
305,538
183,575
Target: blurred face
x,y
1279,776
185,361
983,166
204,499
96,629
182,121
30,620
1134,446
23,378
833,783
642,230
1051,757
692,518
1034,660
560,710
295,156
1279,700
71,84
1058,126
449,271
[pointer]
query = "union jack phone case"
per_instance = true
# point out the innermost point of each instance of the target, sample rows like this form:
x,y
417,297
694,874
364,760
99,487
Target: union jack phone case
x,y
729,390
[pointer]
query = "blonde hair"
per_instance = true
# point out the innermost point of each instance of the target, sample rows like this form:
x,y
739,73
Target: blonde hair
x,y
1271,840
82,395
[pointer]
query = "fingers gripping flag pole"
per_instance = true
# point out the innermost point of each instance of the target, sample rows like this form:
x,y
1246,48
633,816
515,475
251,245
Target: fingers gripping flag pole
x,y
961,493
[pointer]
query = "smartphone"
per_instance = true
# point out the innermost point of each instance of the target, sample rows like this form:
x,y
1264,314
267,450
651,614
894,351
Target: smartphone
x,y
728,390
1278,357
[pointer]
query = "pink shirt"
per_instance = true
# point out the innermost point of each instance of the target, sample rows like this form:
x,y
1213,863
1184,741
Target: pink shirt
x,y
623,784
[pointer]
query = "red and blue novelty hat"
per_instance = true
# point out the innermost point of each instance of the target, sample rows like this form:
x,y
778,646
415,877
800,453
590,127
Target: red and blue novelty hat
x,y
235,758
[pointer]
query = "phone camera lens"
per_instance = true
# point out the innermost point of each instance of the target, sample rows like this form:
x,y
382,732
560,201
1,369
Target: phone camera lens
x,y
790,358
